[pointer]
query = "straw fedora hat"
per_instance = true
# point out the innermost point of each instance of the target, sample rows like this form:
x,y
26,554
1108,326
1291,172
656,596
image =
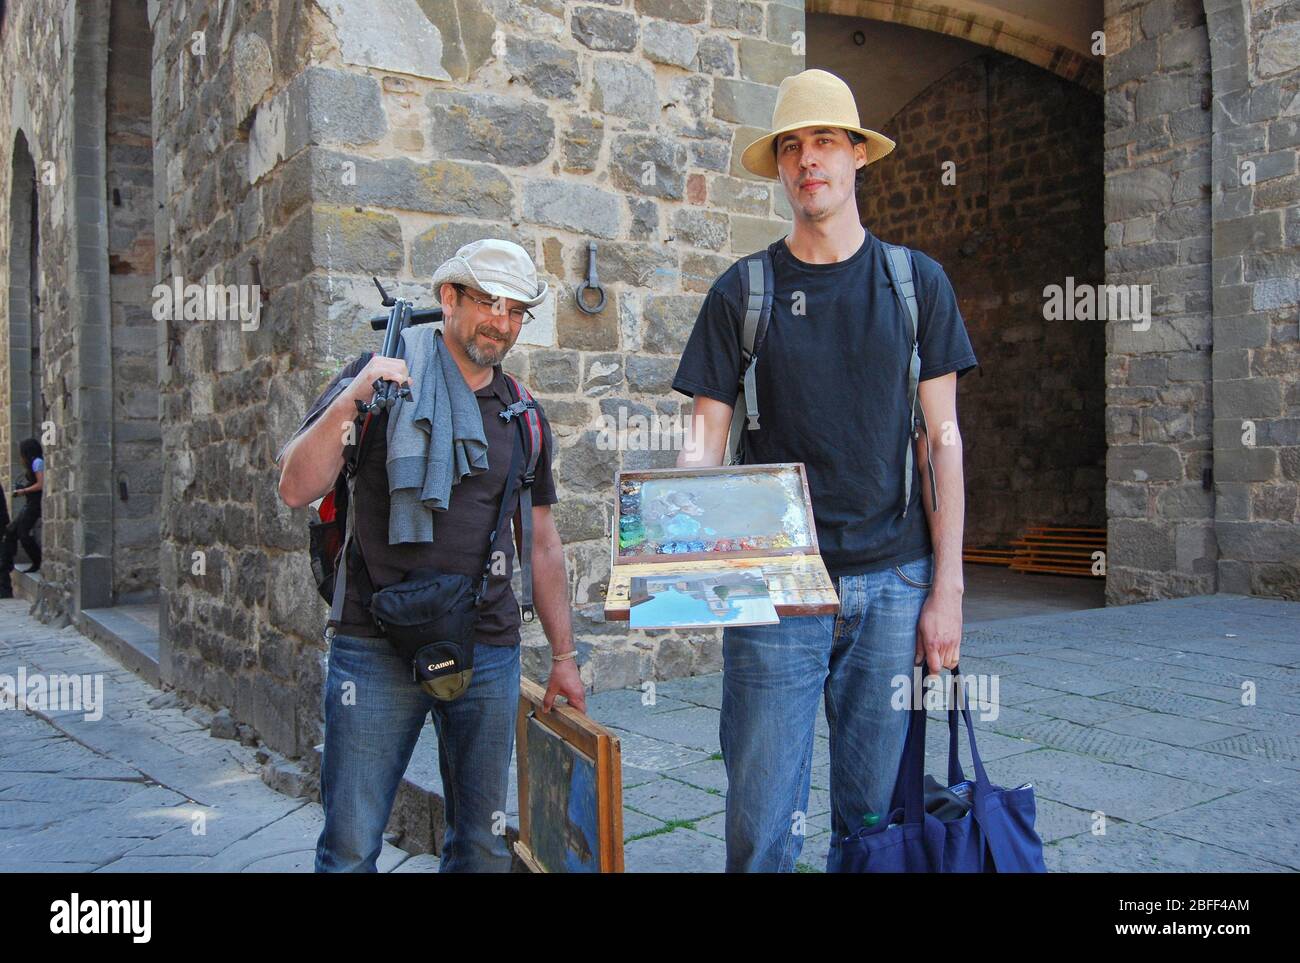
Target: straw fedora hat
x,y
813,98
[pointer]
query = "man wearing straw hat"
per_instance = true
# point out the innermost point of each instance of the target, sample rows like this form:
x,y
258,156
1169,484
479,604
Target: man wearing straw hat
x,y
832,387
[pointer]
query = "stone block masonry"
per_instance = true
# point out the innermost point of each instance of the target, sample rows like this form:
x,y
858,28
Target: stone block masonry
x,y
1201,188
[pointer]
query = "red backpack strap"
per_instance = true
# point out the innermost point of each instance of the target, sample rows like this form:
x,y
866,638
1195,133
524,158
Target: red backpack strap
x,y
532,426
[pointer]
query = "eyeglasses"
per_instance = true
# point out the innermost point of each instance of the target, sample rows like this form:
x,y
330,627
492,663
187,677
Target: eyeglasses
x,y
519,316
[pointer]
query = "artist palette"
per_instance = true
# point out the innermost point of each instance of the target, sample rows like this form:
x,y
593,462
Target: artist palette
x,y
692,521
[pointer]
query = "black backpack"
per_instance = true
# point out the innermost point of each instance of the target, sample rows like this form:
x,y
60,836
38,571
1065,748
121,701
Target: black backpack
x,y
756,287
329,536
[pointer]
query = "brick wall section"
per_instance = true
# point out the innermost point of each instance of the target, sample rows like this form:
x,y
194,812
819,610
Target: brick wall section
x,y
1158,225
1032,424
1256,262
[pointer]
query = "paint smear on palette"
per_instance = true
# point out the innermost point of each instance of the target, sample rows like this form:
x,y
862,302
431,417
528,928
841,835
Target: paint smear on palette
x,y
715,513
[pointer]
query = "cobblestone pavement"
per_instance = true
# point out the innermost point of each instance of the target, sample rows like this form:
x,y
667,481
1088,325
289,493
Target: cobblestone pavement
x,y
1129,719
145,787
1134,713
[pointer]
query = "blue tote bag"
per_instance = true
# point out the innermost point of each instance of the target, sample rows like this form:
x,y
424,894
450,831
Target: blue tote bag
x,y
995,835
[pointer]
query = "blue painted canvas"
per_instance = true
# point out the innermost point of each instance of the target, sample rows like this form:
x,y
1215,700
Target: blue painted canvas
x,y
562,804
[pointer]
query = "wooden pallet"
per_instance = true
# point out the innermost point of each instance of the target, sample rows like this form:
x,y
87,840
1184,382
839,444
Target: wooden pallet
x,y
1058,550
1057,529
988,556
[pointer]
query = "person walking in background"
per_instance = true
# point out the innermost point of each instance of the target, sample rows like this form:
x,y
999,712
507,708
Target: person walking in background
x,y
20,529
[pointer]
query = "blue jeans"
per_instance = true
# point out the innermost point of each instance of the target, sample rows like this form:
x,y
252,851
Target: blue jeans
x,y
373,713
773,676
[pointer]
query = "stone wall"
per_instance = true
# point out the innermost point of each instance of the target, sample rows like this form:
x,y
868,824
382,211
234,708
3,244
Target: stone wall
x,y
137,441
550,124
238,629
303,147
1201,197
1018,209
1255,55
38,104
23,356
1158,232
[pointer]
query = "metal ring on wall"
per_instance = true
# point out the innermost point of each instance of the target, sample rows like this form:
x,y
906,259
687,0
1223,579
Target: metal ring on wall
x,y
592,283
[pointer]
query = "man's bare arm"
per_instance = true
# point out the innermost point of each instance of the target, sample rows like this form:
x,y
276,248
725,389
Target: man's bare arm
x,y
314,459
551,597
940,626
938,398
706,437
551,581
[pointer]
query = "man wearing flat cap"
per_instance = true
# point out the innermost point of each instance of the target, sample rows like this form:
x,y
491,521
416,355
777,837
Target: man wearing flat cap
x,y
373,707
847,382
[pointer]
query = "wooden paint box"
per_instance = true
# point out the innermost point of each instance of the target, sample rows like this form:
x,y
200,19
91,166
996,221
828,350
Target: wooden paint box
x,y
689,521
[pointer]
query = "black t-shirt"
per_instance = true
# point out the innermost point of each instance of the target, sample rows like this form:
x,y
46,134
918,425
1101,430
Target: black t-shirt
x,y
832,390
459,533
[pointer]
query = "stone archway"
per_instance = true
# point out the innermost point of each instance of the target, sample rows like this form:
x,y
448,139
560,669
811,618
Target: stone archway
x,y
26,404
1019,210
1037,41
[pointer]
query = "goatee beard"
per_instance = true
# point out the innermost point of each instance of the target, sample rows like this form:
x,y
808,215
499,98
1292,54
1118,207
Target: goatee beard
x,y
485,357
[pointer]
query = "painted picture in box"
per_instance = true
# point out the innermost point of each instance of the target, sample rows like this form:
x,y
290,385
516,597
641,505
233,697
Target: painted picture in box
x,y
701,600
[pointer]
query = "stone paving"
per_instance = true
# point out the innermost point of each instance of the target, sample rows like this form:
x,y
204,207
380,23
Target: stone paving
x,y
145,788
1128,718
1132,713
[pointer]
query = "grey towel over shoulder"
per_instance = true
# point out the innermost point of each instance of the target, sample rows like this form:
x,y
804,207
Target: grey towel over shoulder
x,y
434,440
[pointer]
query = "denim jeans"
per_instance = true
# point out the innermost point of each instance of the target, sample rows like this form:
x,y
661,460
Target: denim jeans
x,y
772,678
373,713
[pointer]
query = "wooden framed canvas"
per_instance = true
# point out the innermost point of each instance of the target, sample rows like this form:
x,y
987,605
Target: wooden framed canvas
x,y
710,536
570,789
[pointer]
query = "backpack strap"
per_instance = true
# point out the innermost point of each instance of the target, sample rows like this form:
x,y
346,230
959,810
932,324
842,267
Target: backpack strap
x,y
756,285
525,407
341,570
516,460
530,427
344,487
898,264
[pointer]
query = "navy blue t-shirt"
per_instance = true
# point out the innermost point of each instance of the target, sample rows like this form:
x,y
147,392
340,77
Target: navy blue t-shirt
x,y
832,390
